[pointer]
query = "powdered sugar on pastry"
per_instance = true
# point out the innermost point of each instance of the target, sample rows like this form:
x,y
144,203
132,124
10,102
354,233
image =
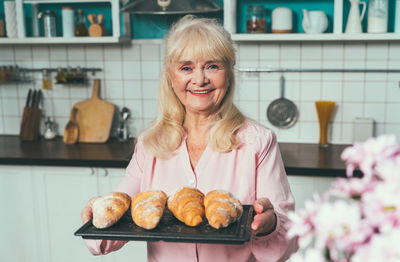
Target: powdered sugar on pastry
x,y
107,210
148,208
222,208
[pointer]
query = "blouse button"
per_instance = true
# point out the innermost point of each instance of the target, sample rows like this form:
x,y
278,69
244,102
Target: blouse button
x,y
191,182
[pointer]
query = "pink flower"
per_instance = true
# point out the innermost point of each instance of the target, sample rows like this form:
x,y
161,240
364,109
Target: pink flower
x,y
357,219
381,207
382,247
351,187
367,154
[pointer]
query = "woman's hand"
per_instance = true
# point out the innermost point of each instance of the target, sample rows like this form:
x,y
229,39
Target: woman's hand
x,y
87,213
264,221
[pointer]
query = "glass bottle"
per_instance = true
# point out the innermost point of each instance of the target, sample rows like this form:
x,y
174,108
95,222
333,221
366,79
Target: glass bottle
x,y
378,16
60,77
256,21
46,80
70,76
80,28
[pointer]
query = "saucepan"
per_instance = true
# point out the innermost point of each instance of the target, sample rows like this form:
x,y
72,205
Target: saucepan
x,y
282,112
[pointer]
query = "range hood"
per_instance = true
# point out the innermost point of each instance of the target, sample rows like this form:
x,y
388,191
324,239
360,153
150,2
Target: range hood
x,y
166,7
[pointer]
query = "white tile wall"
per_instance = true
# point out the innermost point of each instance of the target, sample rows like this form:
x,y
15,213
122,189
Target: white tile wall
x,y
130,78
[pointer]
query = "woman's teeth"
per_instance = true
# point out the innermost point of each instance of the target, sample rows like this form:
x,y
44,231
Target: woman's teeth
x,y
200,92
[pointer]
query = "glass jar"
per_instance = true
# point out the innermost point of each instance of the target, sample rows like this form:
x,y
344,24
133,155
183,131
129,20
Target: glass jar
x,y
46,80
377,16
256,21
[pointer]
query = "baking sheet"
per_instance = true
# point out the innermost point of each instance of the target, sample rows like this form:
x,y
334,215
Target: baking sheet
x,y
172,230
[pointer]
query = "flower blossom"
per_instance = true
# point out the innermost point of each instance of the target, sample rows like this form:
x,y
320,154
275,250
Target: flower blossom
x,y
369,153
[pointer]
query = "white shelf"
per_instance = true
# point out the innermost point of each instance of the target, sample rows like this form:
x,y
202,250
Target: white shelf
x,y
116,26
65,40
230,23
62,1
315,37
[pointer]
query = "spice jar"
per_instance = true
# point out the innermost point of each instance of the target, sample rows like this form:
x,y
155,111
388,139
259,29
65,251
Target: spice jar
x,y
46,80
256,21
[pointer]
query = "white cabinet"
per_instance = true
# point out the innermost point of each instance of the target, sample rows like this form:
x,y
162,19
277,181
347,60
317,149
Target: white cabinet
x,y
43,206
230,23
116,37
18,219
303,187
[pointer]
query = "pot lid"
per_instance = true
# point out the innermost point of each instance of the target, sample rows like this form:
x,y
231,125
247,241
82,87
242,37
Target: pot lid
x,y
165,7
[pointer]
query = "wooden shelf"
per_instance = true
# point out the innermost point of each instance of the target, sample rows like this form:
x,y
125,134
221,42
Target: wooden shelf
x,y
66,40
316,37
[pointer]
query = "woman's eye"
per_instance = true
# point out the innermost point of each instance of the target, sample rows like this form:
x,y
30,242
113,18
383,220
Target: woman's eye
x,y
213,67
185,68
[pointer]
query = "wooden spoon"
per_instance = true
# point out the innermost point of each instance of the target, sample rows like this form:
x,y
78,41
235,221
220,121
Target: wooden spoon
x,y
71,131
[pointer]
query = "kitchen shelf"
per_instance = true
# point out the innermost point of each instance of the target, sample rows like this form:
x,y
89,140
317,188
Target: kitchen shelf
x,y
66,40
231,24
316,37
116,26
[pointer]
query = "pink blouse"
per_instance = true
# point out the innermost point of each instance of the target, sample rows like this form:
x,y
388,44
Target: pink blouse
x,y
252,171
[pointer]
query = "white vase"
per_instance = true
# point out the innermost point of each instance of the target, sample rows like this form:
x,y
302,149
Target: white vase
x,y
11,19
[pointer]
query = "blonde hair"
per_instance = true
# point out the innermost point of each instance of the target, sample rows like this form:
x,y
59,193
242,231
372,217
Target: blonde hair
x,y
202,37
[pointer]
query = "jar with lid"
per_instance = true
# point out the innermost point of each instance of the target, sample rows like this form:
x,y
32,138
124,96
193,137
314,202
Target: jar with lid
x,y
378,16
256,21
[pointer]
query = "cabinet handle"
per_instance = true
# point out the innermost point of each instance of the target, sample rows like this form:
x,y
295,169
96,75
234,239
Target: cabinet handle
x,y
103,172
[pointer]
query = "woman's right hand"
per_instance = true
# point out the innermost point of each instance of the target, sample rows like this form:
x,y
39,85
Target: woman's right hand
x,y
87,213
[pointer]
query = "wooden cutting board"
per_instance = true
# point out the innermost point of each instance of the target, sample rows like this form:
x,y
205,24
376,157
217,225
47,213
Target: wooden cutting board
x,y
94,117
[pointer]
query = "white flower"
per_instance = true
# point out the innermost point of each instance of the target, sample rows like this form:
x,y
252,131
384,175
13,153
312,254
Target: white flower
x,y
335,221
382,247
381,206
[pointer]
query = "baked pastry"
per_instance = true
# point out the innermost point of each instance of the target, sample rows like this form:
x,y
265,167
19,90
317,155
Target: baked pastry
x,y
187,205
222,208
148,207
108,209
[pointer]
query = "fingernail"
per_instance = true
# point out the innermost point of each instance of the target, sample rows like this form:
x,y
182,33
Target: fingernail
x,y
254,227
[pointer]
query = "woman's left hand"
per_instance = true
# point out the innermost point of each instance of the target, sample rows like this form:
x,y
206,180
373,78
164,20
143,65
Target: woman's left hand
x,y
264,221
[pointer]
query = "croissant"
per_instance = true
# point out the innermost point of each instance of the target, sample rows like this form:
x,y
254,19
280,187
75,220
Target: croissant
x,y
108,209
147,208
187,206
222,208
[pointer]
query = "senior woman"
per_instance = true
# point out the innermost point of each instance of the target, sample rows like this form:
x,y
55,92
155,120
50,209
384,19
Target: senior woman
x,y
201,139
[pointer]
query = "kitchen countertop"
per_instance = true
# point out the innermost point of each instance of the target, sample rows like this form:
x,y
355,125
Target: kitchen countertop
x,y
299,158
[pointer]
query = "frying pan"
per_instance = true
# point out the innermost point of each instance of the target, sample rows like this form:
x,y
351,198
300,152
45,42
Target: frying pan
x,y
282,112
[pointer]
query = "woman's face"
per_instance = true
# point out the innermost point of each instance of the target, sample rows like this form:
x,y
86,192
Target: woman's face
x,y
199,85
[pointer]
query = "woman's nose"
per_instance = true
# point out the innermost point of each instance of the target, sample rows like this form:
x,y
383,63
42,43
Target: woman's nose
x,y
199,77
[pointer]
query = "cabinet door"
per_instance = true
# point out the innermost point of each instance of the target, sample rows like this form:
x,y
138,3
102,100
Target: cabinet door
x,y
18,219
108,179
304,187
64,192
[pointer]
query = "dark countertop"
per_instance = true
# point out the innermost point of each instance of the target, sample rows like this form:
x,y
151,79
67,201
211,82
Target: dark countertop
x,y
299,158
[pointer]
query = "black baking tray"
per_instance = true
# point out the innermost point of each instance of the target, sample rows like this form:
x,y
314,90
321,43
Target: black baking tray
x,y
172,230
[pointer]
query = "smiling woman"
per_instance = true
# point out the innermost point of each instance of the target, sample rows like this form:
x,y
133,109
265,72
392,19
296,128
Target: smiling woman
x,y
200,139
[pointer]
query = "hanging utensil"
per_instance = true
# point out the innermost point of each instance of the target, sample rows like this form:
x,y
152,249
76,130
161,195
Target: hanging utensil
x,y
282,112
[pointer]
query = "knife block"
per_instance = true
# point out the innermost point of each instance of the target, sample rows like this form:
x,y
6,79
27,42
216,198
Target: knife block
x,y
30,124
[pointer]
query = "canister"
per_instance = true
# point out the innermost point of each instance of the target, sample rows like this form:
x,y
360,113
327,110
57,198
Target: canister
x,y
68,21
49,23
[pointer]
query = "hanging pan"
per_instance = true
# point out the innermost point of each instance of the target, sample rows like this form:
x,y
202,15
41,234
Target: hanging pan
x,y
282,112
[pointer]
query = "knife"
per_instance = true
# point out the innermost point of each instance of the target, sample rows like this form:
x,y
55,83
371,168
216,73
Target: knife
x,y
32,104
38,98
28,98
